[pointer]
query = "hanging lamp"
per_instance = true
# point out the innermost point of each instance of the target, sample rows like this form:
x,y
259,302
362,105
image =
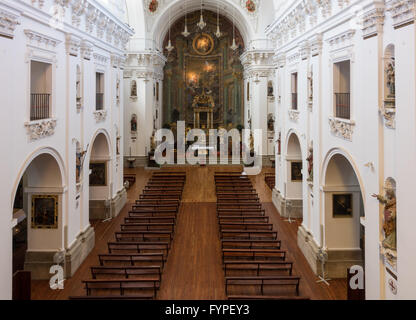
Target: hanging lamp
x,y
234,45
218,34
185,33
169,46
201,24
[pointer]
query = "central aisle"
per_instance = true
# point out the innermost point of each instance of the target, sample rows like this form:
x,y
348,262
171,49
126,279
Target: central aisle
x,y
194,268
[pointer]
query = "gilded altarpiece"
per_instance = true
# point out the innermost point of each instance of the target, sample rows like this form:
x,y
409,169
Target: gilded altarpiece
x,y
202,62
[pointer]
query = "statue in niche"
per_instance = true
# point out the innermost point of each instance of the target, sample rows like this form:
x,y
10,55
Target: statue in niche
x,y
133,123
270,122
133,91
310,87
279,143
270,90
389,243
118,91
391,79
310,163
79,161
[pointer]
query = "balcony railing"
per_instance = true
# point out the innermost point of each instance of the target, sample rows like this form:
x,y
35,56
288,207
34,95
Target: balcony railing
x,y
294,101
99,101
39,106
342,105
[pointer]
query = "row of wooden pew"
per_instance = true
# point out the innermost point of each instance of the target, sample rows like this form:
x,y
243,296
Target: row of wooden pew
x,y
255,266
270,179
133,266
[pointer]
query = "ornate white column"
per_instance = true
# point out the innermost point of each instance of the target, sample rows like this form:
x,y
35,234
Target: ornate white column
x,y
143,70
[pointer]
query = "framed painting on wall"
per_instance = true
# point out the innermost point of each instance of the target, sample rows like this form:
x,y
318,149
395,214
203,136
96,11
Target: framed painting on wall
x,y
98,176
296,171
44,212
342,205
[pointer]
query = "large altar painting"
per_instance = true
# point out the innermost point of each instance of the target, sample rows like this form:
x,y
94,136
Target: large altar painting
x,y
203,65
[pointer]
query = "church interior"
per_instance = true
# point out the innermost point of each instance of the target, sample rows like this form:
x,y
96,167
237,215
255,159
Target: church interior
x,y
208,149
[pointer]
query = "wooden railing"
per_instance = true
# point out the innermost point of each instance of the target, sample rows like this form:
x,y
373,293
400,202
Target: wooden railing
x,y
294,101
39,106
342,105
99,101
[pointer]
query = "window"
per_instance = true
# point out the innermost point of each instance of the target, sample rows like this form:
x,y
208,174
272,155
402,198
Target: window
x,y
294,84
40,90
342,90
99,93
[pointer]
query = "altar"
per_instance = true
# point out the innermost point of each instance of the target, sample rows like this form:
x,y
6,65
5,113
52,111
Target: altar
x,y
203,106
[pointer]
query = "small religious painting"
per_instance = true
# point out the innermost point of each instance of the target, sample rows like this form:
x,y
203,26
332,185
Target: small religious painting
x,y
250,6
342,205
44,212
203,44
153,5
296,171
98,176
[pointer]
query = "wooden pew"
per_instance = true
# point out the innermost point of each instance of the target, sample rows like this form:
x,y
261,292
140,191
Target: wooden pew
x,y
142,296
251,244
248,235
240,212
152,213
253,254
257,267
244,206
262,281
266,297
132,258
148,227
243,219
246,226
139,247
132,236
122,285
127,272
167,219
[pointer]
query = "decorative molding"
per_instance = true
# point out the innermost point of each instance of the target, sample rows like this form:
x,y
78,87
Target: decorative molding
x,y
100,115
73,44
389,115
100,59
341,127
86,49
40,128
8,23
403,12
304,50
40,40
316,44
372,22
294,115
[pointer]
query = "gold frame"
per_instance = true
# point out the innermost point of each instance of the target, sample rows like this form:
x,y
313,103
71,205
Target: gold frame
x,y
211,41
55,218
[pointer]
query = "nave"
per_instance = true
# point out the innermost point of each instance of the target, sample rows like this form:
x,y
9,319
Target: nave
x,y
194,268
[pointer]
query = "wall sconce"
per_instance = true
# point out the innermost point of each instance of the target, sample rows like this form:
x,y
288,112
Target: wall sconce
x,y
369,165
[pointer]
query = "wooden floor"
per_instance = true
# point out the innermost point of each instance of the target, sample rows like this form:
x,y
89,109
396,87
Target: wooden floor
x,y
194,268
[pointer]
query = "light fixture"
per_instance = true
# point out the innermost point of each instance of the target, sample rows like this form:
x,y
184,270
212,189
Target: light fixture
x,y
234,45
218,34
169,46
201,24
185,33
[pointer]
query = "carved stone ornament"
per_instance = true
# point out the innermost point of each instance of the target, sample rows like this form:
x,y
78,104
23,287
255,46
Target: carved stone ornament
x,y
100,115
294,115
40,128
8,23
341,128
389,115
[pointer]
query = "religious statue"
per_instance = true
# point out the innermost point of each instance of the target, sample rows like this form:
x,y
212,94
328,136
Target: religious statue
x,y
133,123
279,143
391,79
270,122
80,155
310,87
310,163
389,243
133,92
